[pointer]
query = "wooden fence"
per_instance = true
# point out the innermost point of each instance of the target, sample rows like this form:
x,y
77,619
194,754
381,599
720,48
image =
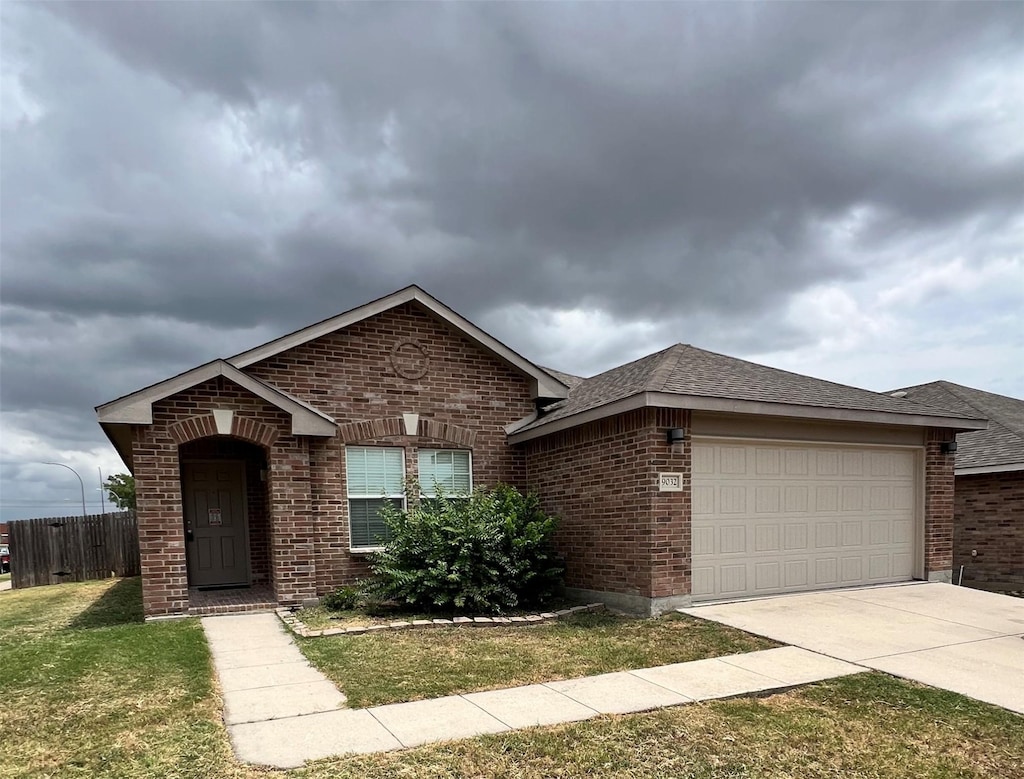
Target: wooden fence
x,y
73,549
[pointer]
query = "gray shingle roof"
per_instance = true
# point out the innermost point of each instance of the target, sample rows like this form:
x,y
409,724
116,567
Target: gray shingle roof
x,y
568,379
686,370
1001,444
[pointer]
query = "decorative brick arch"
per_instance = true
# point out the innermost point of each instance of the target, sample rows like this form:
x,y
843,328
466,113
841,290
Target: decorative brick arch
x,y
205,425
390,427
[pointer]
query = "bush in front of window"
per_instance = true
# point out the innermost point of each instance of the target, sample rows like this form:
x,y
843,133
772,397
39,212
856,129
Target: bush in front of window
x,y
489,552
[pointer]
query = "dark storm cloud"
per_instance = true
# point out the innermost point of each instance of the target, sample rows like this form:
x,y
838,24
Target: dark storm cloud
x,y
693,144
187,180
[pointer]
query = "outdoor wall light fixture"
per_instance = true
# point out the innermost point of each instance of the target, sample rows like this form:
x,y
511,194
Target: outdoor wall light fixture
x,y
948,447
676,435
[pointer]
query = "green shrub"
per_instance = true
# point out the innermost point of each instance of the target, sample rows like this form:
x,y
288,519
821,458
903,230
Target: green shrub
x,y
491,551
342,599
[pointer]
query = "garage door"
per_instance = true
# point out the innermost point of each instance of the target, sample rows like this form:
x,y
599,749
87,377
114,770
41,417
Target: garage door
x,y
770,518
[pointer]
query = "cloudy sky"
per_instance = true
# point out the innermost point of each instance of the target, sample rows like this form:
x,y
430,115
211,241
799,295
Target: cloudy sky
x,y
833,189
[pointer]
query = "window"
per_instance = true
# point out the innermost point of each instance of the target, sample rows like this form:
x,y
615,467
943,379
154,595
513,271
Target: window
x,y
375,476
449,469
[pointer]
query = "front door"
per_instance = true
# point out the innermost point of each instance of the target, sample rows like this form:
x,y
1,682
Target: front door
x,y
216,530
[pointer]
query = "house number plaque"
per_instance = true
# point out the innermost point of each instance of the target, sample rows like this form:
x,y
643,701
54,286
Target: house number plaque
x,y
670,482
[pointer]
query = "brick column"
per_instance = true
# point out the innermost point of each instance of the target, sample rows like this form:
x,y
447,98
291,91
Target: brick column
x,y
161,529
670,541
938,506
293,566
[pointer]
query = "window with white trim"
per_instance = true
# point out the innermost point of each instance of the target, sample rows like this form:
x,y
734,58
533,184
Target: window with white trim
x,y
451,470
375,476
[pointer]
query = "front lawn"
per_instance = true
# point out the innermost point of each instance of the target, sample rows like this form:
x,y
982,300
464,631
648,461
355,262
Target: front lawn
x,y
407,665
88,690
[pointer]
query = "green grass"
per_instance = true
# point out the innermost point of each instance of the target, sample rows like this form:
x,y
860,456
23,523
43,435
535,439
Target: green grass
x,y
408,665
88,690
5,577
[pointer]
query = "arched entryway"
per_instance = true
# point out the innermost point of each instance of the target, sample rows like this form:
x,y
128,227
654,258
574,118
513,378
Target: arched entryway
x,y
226,515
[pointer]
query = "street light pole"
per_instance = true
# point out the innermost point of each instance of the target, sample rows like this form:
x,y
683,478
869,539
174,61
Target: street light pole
x,y
103,505
80,482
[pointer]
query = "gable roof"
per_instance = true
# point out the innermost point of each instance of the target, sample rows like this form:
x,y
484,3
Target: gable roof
x,y
544,384
117,416
683,376
1000,447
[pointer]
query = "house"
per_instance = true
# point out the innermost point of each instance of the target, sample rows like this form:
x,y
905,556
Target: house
x,y
683,476
988,514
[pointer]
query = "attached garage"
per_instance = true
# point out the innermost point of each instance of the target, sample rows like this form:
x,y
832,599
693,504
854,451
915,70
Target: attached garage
x,y
772,517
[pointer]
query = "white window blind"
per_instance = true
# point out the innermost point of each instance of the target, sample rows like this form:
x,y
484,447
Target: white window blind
x,y
375,476
448,469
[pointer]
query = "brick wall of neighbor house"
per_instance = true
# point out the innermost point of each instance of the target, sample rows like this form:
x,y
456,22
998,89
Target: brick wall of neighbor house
x,y
989,518
464,398
938,505
618,533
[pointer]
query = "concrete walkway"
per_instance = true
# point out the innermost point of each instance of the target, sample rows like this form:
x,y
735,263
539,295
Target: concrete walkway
x,y
953,638
282,712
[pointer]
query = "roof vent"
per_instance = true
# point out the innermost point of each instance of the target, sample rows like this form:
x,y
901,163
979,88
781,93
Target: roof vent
x,y
900,394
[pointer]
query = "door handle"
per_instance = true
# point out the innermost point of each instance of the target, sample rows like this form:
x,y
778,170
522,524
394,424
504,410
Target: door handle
x,y
189,535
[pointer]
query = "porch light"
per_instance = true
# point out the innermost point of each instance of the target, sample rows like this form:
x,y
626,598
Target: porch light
x,y
948,447
677,435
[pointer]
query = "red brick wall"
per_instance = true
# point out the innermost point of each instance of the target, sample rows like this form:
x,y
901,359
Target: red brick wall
x,y
618,533
989,518
179,420
938,503
464,399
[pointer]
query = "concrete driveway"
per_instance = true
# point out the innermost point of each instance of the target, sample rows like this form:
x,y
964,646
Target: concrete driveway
x,y
955,638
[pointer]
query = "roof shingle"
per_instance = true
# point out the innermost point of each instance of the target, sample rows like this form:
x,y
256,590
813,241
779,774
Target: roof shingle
x,y
999,445
686,370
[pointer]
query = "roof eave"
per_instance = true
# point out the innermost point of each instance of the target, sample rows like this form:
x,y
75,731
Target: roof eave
x,y
121,437
980,469
137,408
757,408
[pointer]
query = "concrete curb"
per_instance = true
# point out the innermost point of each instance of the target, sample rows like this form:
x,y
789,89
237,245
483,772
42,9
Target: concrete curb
x,y
295,624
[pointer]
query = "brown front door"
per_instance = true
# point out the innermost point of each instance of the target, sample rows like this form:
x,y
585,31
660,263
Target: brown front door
x,y
215,523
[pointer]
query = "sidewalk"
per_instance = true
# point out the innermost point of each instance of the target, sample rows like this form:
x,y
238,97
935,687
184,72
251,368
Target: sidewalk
x,y
282,712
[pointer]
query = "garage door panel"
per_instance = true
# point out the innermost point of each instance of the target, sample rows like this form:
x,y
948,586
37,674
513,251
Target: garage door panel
x,y
732,539
766,538
767,577
703,500
795,536
795,574
703,540
733,579
852,569
787,517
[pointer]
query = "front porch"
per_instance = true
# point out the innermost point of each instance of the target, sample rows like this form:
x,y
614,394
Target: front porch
x,y
237,600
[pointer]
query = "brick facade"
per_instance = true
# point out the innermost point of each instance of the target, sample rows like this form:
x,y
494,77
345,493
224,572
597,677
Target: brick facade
x,y
989,519
618,533
299,539
403,378
938,506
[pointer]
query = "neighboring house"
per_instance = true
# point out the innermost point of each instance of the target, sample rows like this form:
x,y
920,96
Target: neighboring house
x,y
988,529
683,476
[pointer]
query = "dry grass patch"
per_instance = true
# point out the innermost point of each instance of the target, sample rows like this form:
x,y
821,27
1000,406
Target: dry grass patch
x,y
88,690
414,664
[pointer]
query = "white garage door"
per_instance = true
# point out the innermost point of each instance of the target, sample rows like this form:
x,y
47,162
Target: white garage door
x,y
771,518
